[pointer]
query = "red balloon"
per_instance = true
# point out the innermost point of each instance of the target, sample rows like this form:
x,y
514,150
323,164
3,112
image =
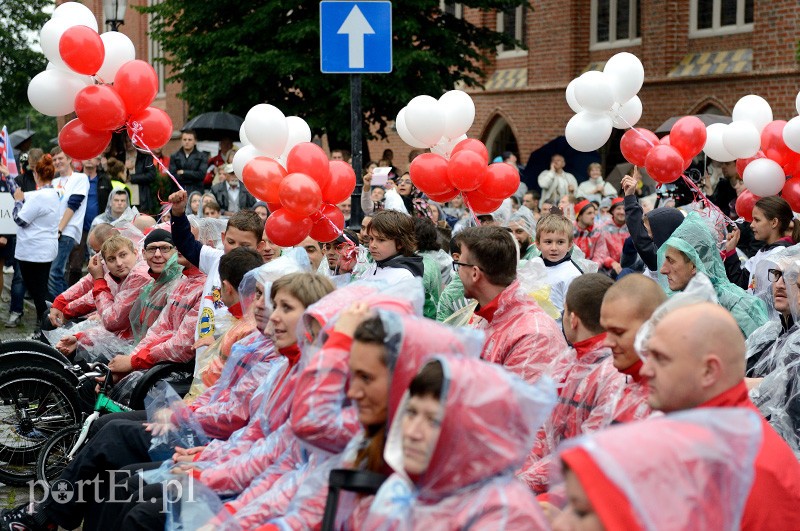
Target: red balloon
x,y
342,182
274,207
137,84
791,192
741,164
300,194
688,136
286,229
466,171
471,144
82,50
480,204
665,140
100,107
501,182
329,224
791,166
664,164
262,177
772,143
636,143
429,173
745,203
156,127
80,142
445,197
309,159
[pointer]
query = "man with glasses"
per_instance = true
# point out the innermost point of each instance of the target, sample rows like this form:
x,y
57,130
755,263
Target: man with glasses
x,y
519,334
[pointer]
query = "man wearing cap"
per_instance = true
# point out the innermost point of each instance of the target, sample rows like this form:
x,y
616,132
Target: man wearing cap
x,y
584,236
611,238
231,195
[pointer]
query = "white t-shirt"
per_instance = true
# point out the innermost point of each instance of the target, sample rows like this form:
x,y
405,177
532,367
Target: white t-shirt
x,y
559,277
75,184
38,242
214,318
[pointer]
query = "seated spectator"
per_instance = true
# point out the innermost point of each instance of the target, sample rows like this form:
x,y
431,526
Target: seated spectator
x,y
585,236
393,246
595,189
611,239
341,253
554,241
194,204
118,209
461,477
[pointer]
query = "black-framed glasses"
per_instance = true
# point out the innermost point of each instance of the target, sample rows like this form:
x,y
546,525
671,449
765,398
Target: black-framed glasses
x,y
456,265
774,274
163,249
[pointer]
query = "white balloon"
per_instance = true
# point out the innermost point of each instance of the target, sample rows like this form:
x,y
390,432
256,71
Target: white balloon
x,y
267,129
741,139
571,101
754,109
119,50
75,14
797,103
593,92
244,155
445,146
298,132
243,136
425,120
764,177
49,37
626,75
588,131
459,112
402,130
791,134
715,148
53,92
626,115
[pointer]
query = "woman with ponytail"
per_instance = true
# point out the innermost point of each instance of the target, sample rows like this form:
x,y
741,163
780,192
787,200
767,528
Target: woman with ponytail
x,y
775,226
36,215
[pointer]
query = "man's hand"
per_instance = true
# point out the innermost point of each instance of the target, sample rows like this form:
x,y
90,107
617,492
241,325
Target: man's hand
x,y
67,345
121,364
178,200
571,188
350,318
56,317
161,422
367,179
629,185
186,455
203,342
95,267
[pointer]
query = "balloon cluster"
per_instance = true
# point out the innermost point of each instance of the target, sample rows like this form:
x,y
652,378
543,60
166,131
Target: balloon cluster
x,y
96,77
436,124
456,164
604,100
665,160
279,165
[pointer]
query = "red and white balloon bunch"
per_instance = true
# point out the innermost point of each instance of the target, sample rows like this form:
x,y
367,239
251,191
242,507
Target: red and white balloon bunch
x,y
456,164
604,100
279,165
98,78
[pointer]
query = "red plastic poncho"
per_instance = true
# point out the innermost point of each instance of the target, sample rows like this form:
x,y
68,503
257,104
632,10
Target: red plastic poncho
x,y
611,239
78,300
585,239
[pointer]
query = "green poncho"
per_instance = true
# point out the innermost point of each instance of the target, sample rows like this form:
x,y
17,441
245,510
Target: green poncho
x,y
695,239
154,297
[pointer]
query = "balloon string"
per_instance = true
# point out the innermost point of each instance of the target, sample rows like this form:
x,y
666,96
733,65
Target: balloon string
x,y
471,210
631,127
135,128
700,196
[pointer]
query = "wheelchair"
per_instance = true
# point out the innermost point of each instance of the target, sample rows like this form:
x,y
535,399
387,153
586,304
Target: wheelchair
x,y
43,392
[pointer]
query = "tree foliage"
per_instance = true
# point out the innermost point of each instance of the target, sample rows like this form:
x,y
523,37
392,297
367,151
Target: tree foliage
x,y
231,55
20,23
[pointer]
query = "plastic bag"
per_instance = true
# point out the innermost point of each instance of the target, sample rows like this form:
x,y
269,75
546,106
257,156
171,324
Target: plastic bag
x,y
162,405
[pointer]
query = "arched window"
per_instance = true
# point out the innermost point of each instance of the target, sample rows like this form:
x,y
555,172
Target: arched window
x,y
500,139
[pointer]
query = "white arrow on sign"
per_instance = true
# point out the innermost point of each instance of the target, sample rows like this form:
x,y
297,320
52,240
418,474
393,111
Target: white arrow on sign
x,y
355,26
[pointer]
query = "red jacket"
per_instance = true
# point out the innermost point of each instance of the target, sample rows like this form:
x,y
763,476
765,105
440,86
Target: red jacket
x,y
78,300
610,240
774,501
585,239
520,336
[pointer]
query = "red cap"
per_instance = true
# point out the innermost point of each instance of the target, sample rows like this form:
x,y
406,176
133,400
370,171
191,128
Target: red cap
x,y
580,207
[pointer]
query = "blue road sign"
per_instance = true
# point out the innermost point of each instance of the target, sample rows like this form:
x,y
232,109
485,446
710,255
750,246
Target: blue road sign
x,y
355,37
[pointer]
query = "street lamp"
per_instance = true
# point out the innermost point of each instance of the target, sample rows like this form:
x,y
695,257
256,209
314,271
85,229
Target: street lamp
x,y
114,11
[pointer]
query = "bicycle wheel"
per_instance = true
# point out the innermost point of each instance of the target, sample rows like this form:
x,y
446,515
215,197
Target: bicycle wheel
x,y
34,404
53,457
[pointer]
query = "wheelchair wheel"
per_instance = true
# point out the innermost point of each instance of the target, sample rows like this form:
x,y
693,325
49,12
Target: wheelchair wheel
x,y
35,403
53,457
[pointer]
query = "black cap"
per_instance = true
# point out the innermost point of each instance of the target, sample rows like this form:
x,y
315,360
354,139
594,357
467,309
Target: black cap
x,y
158,235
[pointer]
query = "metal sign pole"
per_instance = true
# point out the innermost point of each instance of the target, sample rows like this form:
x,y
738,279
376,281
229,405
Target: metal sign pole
x,y
356,215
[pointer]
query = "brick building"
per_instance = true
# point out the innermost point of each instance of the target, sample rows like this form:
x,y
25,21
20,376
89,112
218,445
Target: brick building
x,y
699,56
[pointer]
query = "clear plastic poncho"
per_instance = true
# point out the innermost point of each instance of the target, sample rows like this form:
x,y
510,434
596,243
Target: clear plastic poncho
x,y
694,238
488,423
154,297
209,230
687,470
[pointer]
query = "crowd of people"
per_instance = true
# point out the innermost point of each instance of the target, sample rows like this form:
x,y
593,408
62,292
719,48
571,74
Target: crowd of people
x,y
575,360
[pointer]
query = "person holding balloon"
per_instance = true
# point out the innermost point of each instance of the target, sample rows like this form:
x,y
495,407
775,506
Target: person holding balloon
x,y
772,218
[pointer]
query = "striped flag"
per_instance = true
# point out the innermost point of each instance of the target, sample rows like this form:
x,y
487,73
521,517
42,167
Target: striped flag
x,y
7,158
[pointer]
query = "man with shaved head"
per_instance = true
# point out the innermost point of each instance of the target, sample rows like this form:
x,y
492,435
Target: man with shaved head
x,y
695,358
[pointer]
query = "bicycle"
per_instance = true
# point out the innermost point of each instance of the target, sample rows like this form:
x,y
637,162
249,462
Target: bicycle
x,y
62,446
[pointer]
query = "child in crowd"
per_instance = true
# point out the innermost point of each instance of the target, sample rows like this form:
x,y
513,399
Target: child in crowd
x,y
554,240
392,245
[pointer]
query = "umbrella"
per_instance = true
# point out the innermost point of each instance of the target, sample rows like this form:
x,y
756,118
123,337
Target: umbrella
x,y
576,161
215,125
707,119
621,170
19,136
